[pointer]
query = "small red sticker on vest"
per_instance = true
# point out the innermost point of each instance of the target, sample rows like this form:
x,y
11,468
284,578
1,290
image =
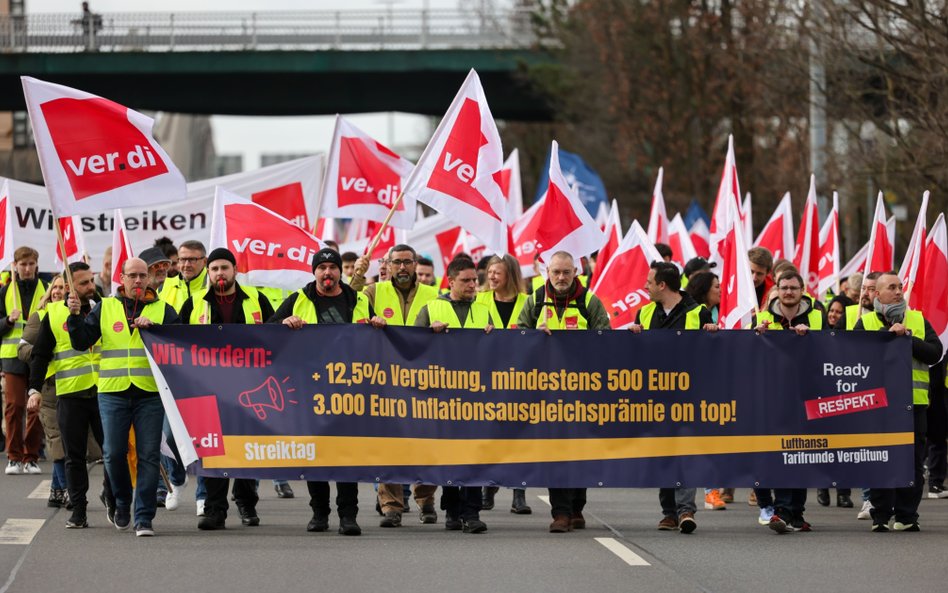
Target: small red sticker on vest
x,y
118,326
257,317
388,313
572,322
66,326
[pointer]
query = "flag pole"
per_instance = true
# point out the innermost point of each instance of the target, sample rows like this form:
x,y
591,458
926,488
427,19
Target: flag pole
x,y
388,218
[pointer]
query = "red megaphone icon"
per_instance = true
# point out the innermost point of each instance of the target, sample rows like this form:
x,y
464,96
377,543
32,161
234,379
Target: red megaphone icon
x,y
268,395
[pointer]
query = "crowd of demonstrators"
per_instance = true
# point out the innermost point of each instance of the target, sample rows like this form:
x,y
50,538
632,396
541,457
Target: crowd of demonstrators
x,y
51,383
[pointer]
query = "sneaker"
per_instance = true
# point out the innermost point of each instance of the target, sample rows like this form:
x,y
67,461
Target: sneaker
x,y
144,529
283,490
14,468
766,514
56,500
801,524
160,498
669,523
779,525
844,501
899,526
348,526
686,522
122,519
199,503
173,499
880,528
937,491
391,519
428,514
713,502
318,523
473,526
109,508
31,467
865,513
77,521
452,524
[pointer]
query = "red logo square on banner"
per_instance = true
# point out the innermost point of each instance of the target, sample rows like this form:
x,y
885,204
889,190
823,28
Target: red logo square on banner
x,y
203,421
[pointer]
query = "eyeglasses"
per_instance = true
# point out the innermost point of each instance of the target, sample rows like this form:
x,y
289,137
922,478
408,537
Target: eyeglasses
x,y
189,260
136,276
790,288
397,263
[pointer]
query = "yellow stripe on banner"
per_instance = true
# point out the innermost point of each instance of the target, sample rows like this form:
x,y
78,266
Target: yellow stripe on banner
x,y
316,451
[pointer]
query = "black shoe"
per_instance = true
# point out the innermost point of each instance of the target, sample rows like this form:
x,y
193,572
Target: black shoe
x,y
844,501
56,499
211,522
428,514
283,490
348,526
318,523
109,507
452,524
519,505
391,519
823,497
487,498
122,519
473,526
248,516
77,520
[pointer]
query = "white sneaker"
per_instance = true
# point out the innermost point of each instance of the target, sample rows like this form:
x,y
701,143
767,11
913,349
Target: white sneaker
x,y
173,499
14,468
864,512
31,467
766,514
200,506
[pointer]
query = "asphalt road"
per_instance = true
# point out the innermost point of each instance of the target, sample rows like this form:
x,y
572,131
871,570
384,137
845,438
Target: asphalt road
x,y
621,550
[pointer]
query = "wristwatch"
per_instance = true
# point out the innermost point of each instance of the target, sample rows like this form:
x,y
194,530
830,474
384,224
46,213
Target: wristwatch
x,y
32,391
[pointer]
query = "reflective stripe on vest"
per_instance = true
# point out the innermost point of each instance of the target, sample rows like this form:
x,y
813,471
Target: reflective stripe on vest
x,y
692,316
553,320
10,341
914,322
388,305
478,316
814,320
200,309
487,298
123,352
75,370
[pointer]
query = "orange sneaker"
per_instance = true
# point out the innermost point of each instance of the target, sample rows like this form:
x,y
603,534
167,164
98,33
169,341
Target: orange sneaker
x,y
713,502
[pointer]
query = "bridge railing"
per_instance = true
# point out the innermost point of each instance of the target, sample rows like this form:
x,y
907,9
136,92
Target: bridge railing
x,y
263,31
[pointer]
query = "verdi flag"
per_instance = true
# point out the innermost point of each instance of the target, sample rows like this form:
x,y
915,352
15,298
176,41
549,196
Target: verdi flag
x,y
588,184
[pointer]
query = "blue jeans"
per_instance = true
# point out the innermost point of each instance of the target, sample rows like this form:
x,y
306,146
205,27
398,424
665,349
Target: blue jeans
x,y
59,475
118,413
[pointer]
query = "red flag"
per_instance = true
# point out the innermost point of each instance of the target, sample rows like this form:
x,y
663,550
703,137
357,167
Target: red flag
x,y
511,185
270,250
738,297
658,217
565,224
777,234
881,242
363,179
912,282
806,255
729,191
613,239
70,229
679,240
286,200
934,299
6,233
621,286
121,248
700,238
829,251
459,172
97,154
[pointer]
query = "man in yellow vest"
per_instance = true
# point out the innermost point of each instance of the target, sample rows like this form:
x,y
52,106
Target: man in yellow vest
x,y
867,296
564,303
192,270
790,310
17,300
325,300
891,313
396,301
226,302
456,310
672,308
128,394
77,405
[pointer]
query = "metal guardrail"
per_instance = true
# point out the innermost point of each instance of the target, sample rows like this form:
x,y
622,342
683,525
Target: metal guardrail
x,y
266,31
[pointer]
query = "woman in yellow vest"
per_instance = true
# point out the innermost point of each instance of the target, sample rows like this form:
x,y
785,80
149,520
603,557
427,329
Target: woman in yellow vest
x,y
504,298
18,299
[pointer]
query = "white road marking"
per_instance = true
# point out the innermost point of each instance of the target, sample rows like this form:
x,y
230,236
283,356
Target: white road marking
x,y
42,491
627,555
20,531
545,499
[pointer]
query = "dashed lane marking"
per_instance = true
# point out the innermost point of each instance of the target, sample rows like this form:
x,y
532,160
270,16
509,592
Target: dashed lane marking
x,y
42,491
627,555
20,532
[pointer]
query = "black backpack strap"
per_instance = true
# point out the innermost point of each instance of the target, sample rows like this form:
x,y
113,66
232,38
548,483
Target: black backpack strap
x,y
540,296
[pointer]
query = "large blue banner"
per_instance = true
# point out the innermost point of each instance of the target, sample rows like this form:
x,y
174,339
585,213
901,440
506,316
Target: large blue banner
x,y
522,408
